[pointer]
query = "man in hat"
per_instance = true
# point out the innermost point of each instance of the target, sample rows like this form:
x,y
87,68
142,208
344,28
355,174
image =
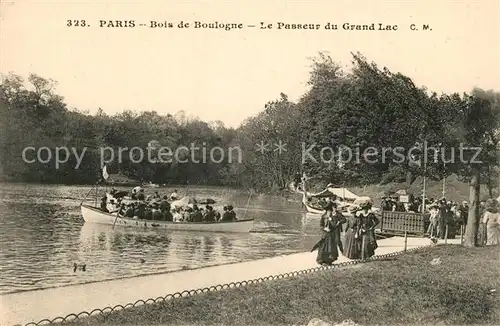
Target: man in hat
x,y
397,206
386,204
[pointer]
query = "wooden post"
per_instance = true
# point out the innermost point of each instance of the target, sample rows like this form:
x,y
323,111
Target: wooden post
x,y
96,193
446,234
461,234
363,248
406,240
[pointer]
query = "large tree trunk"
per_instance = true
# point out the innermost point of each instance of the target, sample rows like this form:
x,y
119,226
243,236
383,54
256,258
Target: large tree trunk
x,y
473,218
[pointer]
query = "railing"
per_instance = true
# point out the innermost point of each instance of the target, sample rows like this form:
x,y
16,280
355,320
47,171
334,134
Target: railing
x,y
219,287
403,222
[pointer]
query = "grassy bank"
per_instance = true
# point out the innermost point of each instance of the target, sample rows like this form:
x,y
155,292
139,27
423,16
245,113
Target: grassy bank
x,y
402,290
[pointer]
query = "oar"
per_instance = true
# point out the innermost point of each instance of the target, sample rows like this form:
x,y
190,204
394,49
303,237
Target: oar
x,y
86,196
117,216
248,203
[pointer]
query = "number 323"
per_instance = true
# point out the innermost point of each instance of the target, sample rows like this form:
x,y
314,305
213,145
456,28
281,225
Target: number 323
x,y
76,23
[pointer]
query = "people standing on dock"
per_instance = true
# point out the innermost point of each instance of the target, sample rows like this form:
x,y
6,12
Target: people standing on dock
x,y
491,220
434,212
386,204
331,223
464,213
442,219
366,238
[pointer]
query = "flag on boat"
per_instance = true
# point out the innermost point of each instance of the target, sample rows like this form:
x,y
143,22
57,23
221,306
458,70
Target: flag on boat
x,y
105,174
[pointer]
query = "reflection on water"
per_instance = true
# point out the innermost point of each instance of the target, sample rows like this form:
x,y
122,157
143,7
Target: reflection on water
x,y
42,235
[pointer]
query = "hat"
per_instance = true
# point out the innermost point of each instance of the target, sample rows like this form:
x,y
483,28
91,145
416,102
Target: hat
x,y
363,200
465,202
353,209
365,205
433,205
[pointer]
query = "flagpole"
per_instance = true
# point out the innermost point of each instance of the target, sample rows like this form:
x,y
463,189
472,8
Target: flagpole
x,y
444,180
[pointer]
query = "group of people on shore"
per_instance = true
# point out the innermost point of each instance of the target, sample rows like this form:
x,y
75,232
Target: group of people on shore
x,y
159,208
358,242
451,216
443,213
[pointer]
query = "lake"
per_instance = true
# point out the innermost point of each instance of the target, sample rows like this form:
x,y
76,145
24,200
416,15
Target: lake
x,y
42,235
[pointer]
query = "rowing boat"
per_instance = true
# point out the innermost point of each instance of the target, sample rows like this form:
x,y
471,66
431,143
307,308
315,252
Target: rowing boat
x,y
94,215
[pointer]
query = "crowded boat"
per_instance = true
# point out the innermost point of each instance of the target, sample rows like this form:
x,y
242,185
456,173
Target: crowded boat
x,y
136,205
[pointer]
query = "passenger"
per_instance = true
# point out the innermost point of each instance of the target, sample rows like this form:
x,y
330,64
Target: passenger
x,y
217,216
129,212
232,213
104,204
140,196
156,213
148,213
122,209
140,211
165,209
111,206
187,214
209,214
226,216
177,215
196,215
156,195
113,191
174,196
135,192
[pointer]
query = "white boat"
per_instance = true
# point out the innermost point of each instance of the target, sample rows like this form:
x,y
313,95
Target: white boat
x,y
317,210
94,215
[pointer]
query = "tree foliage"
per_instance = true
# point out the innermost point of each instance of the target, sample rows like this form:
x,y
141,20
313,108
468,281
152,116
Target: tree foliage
x,y
366,107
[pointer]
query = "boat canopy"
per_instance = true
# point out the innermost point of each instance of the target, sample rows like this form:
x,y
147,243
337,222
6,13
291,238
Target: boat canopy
x,y
343,193
184,201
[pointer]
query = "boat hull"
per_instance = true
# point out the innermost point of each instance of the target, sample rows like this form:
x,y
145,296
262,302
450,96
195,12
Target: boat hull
x,y
315,211
93,215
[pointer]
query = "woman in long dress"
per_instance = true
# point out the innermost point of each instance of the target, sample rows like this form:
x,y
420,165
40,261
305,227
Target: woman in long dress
x,y
330,222
351,249
366,239
491,219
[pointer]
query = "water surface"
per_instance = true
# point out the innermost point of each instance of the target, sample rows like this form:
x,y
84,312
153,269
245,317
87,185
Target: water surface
x,y
42,235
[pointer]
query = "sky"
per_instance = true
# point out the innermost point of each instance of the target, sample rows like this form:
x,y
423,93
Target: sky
x,y
230,75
